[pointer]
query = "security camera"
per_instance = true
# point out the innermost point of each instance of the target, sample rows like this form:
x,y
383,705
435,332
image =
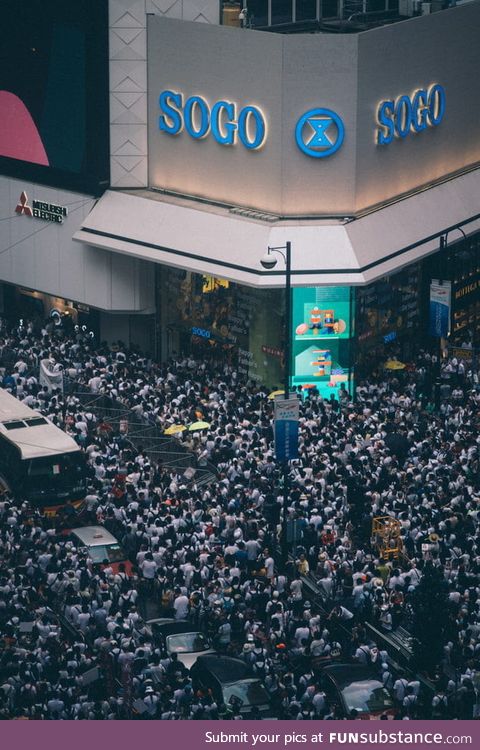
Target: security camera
x,y
268,261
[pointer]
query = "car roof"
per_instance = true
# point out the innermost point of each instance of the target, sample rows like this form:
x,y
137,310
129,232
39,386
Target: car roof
x,y
94,536
225,668
170,626
344,674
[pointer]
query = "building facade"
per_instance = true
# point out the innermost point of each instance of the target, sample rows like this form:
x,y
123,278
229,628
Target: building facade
x,y
360,149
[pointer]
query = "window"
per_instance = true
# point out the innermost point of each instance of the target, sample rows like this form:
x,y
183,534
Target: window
x,y
329,9
14,425
281,11
258,12
306,10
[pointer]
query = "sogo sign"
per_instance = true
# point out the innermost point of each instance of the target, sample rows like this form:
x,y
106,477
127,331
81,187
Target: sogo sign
x,y
222,120
406,114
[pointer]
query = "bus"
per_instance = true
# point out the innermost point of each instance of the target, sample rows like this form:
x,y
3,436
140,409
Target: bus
x,y
39,462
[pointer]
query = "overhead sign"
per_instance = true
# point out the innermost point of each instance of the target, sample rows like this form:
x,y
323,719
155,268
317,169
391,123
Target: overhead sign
x,y
319,132
440,301
286,414
410,114
41,210
223,121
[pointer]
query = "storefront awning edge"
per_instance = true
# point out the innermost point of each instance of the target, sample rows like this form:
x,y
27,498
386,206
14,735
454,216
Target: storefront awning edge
x,y
227,246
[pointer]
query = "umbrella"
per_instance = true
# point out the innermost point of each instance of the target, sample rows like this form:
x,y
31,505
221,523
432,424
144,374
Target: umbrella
x,y
199,426
394,364
273,394
174,428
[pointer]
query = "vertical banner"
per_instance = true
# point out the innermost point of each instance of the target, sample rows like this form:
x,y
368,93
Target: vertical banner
x,y
286,413
440,303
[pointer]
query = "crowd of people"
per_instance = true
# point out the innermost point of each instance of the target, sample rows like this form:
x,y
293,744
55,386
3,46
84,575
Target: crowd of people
x,y
209,553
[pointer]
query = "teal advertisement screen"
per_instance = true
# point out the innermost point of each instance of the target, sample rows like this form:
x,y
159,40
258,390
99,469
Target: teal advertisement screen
x,y
321,339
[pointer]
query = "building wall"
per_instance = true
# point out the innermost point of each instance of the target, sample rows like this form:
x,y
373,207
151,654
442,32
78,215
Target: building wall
x,y
128,78
41,255
287,76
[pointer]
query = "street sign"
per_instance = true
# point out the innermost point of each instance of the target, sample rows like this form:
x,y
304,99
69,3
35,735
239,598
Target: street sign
x,y
286,414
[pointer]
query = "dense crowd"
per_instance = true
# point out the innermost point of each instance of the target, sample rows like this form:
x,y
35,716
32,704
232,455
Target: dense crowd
x,y
207,553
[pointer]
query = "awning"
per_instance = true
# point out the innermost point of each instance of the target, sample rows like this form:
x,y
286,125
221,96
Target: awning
x,y
229,244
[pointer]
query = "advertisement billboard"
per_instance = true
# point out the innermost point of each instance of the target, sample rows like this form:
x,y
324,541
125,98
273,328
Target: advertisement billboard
x,y
321,339
54,93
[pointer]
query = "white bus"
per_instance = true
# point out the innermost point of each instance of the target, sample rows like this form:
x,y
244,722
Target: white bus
x,y
38,461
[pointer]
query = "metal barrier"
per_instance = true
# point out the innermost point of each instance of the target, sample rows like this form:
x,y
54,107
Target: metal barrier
x,y
118,418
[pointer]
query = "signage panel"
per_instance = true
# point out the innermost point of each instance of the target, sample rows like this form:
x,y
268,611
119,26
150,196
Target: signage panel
x,y
440,303
286,414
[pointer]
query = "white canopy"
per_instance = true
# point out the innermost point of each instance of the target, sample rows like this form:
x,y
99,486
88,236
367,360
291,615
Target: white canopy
x,y
229,243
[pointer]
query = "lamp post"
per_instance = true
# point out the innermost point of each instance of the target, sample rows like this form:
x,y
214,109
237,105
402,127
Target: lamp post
x,y
269,262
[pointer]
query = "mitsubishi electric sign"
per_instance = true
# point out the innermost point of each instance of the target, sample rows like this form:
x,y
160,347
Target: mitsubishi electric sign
x,y
40,210
315,124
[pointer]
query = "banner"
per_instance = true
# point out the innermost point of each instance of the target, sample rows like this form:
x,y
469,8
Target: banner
x,y
440,303
286,413
50,377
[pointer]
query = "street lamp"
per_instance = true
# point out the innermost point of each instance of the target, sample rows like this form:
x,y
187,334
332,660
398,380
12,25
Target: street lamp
x,y
269,262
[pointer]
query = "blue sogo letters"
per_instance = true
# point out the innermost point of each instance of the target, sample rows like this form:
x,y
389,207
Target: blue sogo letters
x,y
221,120
410,114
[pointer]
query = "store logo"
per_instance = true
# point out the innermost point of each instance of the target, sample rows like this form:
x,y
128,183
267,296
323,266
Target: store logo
x,y
319,133
222,121
41,210
23,207
410,114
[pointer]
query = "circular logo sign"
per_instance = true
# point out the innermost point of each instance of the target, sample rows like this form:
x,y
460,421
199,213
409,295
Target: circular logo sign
x,y
319,133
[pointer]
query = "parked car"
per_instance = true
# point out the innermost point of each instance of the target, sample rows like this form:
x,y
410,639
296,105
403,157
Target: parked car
x,y
177,637
103,548
231,681
356,688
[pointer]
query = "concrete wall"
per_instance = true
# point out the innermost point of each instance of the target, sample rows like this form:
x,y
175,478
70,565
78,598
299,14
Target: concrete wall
x,y
288,75
128,78
42,256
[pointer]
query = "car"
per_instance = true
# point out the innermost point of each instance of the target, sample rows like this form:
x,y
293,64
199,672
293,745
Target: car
x,y
178,637
103,548
231,681
356,691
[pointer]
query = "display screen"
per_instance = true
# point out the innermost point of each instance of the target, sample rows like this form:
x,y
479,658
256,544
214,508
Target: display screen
x,y
321,339
54,124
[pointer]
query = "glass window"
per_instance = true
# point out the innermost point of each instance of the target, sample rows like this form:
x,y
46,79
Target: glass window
x,y
367,696
258,12
281,11
56,473
249,692
329,9
375,6
306,10
186,643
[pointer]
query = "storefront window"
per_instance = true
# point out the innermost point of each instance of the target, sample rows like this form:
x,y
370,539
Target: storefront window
x,y
465,267
222,321
321,339
387,314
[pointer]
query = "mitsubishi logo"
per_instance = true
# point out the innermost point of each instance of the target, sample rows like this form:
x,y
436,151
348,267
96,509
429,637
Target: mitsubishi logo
x,y
319,133
23,207
41,210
